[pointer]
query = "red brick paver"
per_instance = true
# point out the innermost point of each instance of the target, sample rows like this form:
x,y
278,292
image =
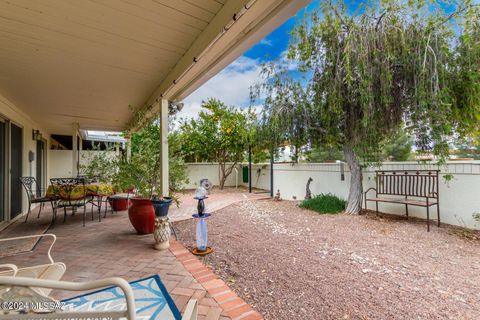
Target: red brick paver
x,y
232,306
111,248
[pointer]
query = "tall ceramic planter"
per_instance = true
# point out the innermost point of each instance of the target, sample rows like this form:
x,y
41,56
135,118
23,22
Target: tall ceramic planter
x,y
142,215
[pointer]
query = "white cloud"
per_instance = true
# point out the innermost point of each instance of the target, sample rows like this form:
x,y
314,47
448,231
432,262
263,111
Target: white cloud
x,y
231,85
266,42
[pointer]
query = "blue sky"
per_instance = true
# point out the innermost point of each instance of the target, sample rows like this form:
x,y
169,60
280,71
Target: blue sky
x,y
232,84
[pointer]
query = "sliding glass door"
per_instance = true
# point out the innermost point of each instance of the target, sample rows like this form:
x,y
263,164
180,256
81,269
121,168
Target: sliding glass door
x,y
3,169
16,150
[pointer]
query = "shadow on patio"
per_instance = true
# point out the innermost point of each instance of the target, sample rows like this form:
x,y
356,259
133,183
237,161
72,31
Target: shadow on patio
x,y
111,248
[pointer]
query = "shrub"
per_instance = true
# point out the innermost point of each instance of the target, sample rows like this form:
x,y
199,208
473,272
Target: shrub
x,y
324,203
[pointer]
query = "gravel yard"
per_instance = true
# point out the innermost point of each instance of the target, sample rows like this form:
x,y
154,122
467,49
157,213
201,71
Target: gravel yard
x,y
291,263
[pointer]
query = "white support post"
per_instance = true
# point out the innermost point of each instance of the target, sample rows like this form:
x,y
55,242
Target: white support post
x,y
129,147
74,150
164,183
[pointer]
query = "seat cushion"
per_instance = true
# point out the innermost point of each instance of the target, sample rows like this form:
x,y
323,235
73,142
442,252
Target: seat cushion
x,y
70,203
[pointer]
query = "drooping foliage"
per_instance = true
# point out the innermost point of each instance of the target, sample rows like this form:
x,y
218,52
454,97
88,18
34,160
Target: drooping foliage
x,y
288,109
395,65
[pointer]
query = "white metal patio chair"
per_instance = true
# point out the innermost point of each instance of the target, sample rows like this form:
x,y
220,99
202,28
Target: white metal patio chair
x,y
37,282
129,313
49,271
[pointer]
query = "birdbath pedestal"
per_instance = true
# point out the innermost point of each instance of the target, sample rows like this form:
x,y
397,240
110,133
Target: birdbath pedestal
x,y
202,232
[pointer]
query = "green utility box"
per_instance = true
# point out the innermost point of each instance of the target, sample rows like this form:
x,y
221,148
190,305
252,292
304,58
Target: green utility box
x,y
245,174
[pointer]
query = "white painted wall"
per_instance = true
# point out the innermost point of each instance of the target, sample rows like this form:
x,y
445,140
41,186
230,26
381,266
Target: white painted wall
x,y
60,163
198,171
10,111
459,199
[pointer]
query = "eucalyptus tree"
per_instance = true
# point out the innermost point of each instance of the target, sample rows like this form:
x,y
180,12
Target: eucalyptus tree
x,y
396,65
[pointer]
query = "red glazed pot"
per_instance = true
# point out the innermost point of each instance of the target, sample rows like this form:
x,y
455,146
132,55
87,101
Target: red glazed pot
x,y
142,215
119,204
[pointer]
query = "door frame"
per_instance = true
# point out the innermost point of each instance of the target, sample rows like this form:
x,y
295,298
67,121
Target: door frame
x,y
7,218
10,122
5,208
43,185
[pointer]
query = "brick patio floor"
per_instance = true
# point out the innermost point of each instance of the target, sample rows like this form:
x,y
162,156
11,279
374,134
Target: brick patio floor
x,y
111,248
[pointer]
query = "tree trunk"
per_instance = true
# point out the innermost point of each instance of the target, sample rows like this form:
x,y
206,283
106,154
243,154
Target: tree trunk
x,y
222,177
355,195
225,172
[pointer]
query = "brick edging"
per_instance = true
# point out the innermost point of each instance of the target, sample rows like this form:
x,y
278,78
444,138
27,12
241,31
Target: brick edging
x,y
233,306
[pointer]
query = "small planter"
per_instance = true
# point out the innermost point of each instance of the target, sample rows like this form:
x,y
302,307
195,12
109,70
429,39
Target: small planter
x,y
142,215
161,206
119,204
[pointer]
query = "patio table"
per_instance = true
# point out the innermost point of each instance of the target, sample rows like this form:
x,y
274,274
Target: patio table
x,y
92,189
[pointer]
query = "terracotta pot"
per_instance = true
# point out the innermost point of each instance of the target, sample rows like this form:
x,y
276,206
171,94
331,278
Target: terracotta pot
x,y
142,215
119,204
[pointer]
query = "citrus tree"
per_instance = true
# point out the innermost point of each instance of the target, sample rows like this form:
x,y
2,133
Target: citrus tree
x,y
219,134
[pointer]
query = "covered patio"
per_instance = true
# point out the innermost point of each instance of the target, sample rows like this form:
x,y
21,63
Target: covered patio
x,y
71,69
112,248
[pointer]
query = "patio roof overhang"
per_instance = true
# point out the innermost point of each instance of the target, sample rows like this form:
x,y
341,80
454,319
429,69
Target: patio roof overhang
x,y
86,62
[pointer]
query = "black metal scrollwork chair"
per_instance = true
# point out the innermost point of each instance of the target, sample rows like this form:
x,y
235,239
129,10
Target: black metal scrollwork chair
x,y
64,190
34,194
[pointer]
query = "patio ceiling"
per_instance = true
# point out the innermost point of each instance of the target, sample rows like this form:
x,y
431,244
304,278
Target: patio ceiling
x,y
68,61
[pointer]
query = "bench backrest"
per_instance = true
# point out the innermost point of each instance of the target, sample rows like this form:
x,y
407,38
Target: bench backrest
x,y
412,183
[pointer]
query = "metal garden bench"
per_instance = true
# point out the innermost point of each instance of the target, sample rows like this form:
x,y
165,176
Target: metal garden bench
x,y
416,187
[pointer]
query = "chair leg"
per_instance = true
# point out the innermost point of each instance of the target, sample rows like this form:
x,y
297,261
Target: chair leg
x,y
91,210
40,210
99,202
54,214
438,215
64,214
84,214
29,210
428,219
106,206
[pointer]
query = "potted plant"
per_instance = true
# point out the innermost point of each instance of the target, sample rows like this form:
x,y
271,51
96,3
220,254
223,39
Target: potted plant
x,y
143,171
103,166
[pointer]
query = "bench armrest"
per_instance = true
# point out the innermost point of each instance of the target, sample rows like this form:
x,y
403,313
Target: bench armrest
x,y
77,286
369,189
54,237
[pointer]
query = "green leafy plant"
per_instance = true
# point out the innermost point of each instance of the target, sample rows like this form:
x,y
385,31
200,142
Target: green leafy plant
x,y
100,164
220,134
324,203
143,168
